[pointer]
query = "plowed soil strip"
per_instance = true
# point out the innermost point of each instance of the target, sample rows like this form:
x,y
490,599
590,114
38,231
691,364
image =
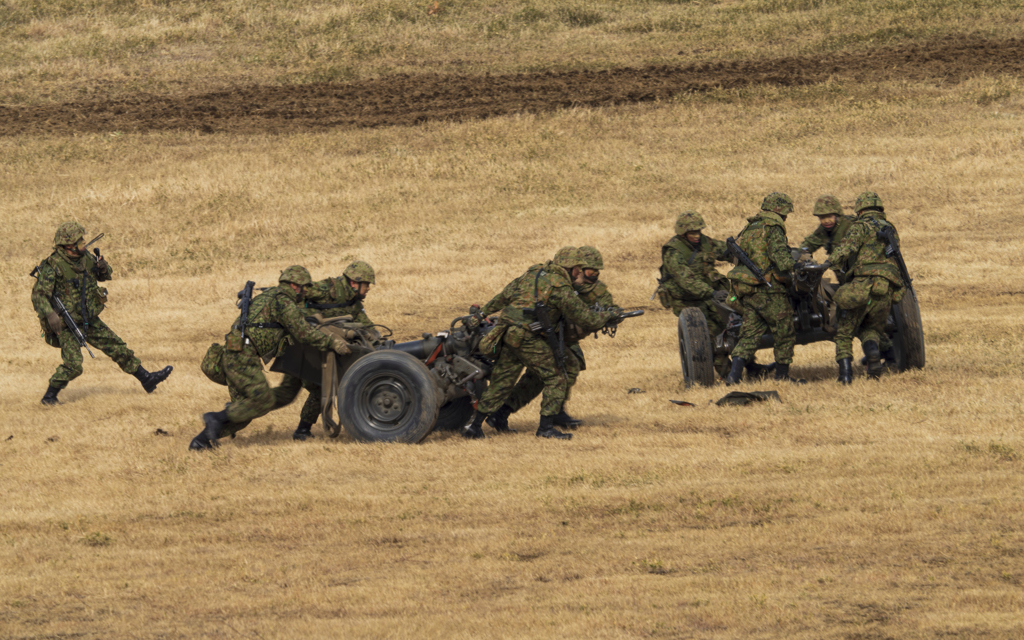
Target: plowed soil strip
x,y
407,100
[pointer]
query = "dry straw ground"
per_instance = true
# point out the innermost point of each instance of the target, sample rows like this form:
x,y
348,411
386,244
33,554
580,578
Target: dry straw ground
x,y
889,509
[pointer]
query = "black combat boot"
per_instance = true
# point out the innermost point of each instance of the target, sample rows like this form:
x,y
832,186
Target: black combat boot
x,y
150,380
474,431
303,432
889,359
563,419
736,372
874,357
207,438
759,371
845,371
499,419
547,429
782,374
50,398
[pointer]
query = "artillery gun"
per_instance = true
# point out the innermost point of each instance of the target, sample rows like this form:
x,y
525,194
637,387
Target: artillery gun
x,y
398,392
815,318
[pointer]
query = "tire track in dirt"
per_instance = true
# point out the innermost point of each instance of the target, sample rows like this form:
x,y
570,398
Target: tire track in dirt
x,y
413,99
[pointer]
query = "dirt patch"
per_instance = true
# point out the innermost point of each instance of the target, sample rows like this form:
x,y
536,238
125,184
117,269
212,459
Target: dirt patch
x,y
410,100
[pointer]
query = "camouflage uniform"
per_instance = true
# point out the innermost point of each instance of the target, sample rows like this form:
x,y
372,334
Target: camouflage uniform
x,y
873,282
520,347
331,298
764,241
689,278
829,239
274,317
75,280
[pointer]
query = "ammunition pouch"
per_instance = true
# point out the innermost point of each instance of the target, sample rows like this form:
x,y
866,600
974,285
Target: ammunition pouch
x,y
49,336
664,297
212,365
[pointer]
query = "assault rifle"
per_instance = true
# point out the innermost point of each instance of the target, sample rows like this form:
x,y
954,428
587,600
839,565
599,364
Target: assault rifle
x,y
244,300
745,260
62,311
613,324
555,339
892,250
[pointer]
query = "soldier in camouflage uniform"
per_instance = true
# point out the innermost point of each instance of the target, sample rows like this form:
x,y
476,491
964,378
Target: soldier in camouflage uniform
x,y
73,275
274,315
689,278
594,293
331,298
873,285
519,346
765,308
832,228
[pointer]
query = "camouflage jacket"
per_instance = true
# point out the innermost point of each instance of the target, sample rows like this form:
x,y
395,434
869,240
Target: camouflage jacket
x,y
688,272
591,295
73,281
549,284
822,237
503,299
764,240
334,297
864,252
276,309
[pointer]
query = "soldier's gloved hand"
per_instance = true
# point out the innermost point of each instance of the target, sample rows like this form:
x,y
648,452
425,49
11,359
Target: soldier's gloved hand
x,y
340,347
55,323
720,296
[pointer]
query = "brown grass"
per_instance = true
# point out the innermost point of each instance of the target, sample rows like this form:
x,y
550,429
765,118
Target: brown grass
x,y
887,509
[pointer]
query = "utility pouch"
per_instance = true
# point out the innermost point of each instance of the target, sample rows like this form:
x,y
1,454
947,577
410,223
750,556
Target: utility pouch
x,y
664,298
880,287
49,336
212,365
853,295
233,342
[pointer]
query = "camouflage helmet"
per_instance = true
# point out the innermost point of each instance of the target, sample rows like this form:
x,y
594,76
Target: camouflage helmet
x,y
778,203
590,258
360,271
827,206
868,200
69,233
296,275
567,258
689,221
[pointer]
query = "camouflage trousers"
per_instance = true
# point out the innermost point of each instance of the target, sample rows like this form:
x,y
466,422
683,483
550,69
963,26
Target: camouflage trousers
x,y
867,320
715,327
100,336
535,355
310,409
763,311
251,395
530,385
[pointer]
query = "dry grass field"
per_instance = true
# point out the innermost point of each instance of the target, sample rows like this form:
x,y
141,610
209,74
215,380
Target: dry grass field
x,y
889,509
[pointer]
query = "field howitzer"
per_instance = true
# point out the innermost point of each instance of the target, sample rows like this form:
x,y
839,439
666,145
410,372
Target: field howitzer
x,y
892,250
745,260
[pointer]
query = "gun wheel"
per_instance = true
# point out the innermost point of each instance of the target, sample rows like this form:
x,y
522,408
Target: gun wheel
x,y
908,340
695,350
388,396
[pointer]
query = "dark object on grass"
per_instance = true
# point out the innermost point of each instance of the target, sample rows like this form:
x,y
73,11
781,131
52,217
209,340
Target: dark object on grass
x,y
743,398
683,403
160,432
636,390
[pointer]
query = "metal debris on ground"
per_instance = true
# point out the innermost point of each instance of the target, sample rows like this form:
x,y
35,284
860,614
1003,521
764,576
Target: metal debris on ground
x,y
683,403
160,432
636,390
743,398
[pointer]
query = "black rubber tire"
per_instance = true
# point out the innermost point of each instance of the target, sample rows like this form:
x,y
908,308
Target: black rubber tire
x,y
908,341
695,351
454,415
388,396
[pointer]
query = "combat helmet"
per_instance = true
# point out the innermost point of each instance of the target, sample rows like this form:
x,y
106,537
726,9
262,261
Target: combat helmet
x,y
778,203
827,206
590,258
689,221
68,233
360,271
567,258
868,200
296,274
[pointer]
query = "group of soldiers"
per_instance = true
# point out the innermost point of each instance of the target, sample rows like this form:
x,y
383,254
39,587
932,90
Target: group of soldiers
x,y
869,278
566,290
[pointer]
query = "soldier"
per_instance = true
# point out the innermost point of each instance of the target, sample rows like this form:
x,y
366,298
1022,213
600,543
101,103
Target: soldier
x,y
872,286
594,294
332,298
689,278
520,342
833,227
764,241
72,275
273,315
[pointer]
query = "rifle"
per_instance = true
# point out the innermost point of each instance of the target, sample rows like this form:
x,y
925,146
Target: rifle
x,y
660,281
612,326
89,244
745,260
892,250
62,311
244,300
540,311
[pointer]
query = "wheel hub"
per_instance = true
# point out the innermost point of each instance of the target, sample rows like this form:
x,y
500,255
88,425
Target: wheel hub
x,y
387,400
